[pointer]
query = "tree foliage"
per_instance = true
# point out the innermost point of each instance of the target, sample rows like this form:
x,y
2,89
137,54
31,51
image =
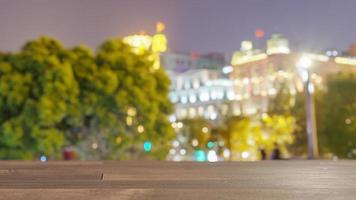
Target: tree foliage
x,y
336,116
51,97
243,135
198,129
279,125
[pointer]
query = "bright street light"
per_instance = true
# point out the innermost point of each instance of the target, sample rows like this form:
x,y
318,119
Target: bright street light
x,y
304,64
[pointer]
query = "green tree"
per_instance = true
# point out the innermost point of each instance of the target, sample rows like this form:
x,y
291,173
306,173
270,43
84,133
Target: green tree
x,y
279,125
278,129
132,105
336,116
300,145
198,129
106,104
37,89
282,103
243,135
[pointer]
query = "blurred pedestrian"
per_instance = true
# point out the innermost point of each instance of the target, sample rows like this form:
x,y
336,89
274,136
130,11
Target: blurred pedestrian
x,y
263,153
276,153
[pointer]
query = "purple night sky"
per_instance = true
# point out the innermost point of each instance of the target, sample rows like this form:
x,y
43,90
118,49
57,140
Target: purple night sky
x,y
192,25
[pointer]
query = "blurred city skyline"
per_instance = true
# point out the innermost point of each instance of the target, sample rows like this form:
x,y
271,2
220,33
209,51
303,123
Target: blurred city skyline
x,y
201,26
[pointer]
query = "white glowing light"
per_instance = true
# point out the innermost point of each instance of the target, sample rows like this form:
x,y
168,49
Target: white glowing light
x,y
43,158
184,99
304,62
245,154
196,84
94,145
179,125
305,75
272,91
311,88
226,153
183,152
140,129
246,45
205,129
192,98
172,118
213,116
212,157
204,96
195,142
227,69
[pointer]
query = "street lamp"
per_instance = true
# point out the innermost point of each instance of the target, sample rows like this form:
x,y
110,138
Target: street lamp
x,y
303,65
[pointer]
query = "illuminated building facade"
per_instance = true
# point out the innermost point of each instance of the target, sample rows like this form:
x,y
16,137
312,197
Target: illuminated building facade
x,y
199,88
201,93
258,75
203,86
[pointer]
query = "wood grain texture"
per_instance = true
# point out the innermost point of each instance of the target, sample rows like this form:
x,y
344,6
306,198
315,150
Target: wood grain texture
x,y
133,180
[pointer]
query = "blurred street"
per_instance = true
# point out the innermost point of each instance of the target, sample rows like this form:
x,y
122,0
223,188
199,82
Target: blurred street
x,y
283,180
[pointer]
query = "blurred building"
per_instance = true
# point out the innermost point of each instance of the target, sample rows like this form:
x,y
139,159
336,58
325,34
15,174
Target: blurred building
x,y
258,75
200,93
199,88
205,86
182,62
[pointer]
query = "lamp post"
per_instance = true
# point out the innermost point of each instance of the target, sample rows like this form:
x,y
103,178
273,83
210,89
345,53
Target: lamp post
x,y
303,65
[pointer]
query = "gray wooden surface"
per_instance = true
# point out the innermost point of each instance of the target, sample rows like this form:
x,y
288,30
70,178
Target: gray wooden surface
x,y
140,180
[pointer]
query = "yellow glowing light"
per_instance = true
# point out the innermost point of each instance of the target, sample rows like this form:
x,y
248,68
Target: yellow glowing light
x,y
159,43
278,45
140,43
131,111
246,45
129,121
345,61
143,42
195,142
278,50
160,26
94,145
140,129
156,60
205,129
238,59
